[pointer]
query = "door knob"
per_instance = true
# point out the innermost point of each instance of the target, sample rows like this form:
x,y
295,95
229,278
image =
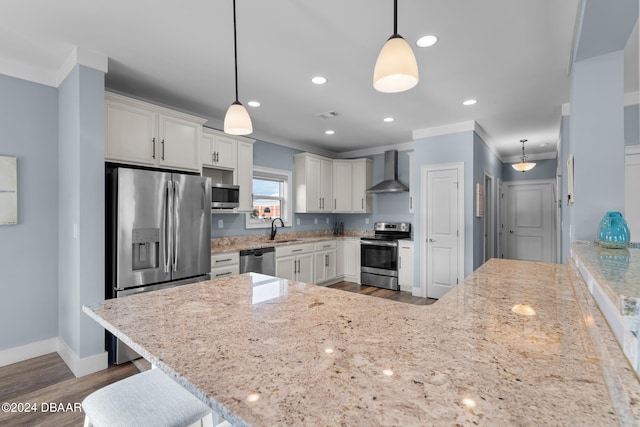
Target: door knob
x,y
511,231
432,240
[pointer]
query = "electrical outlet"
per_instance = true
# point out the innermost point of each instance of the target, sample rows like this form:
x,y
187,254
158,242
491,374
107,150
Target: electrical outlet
x,y
297,221
366,220
315,220
220,223
327,220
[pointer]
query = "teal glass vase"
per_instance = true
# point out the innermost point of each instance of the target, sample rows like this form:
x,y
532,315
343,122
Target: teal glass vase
x,y
614,231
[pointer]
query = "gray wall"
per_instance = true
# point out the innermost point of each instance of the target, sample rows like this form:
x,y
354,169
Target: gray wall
x,y
28,250
632,125
81,208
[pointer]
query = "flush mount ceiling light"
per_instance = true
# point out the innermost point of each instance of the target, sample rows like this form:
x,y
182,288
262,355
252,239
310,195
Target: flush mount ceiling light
x,y
426,41
523,166
318,80
396,69
253,104
329,132
237,120
388,119
470,102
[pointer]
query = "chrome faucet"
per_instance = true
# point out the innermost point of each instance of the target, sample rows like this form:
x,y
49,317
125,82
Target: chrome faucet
x,y
274,230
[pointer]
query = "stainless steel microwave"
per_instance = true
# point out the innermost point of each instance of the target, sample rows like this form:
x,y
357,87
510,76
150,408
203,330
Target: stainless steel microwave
x,y
224,196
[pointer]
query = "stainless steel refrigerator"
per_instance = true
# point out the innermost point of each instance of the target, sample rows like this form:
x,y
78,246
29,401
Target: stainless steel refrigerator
x,y
158,234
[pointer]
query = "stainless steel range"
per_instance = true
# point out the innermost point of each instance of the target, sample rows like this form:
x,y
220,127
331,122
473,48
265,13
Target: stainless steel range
x,y
379,254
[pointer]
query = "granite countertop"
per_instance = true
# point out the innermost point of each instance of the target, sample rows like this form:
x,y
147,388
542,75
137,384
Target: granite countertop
x,y
239,243
616,270
263,351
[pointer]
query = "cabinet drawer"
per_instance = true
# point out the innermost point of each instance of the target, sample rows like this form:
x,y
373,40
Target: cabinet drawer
x,y
324,246
224,259
293,249
230,270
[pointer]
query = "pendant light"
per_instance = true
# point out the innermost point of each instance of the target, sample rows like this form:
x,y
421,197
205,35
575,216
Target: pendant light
x,y
237,120
396,68
523,166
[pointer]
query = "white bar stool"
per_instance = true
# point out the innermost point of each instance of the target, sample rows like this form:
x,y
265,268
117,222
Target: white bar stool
x,y
147,399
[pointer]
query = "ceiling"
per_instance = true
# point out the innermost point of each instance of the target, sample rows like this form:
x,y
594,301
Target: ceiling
x,y
512,56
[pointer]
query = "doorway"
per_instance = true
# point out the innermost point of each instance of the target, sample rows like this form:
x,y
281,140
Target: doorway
x,y
442,228
531,221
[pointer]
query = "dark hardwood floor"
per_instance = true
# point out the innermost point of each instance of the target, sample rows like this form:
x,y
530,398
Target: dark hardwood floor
x,y
46,383
401,296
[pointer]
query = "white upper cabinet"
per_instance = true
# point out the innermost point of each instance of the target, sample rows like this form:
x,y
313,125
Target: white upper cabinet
x,y
361,179
218,151
244,175
412,183
313,177
351,178
140,133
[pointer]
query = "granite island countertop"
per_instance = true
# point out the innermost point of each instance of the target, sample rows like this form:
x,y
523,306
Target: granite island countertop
x,y
263,351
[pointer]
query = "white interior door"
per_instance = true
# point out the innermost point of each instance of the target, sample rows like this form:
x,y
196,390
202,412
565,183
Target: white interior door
x,y
531,221
631,192
489,221
442,230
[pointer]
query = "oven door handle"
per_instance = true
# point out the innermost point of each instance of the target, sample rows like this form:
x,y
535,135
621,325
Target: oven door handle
x,y
378,243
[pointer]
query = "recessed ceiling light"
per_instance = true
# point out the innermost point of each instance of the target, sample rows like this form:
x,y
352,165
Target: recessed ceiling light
x,y
253,104
427,41
470,102
319,80
388,119
329,132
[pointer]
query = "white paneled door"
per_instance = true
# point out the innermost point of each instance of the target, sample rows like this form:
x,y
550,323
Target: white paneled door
x,y
531,221
443,240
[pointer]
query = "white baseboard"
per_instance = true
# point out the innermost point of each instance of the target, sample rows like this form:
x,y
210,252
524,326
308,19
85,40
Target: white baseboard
x,y
85,366
28,351
79,367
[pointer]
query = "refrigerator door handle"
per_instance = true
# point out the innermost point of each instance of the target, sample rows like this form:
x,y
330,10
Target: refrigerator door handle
x,y
167,227
176,224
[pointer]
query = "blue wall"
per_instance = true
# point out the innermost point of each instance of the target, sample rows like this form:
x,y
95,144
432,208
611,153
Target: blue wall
x,y
28,250
545,169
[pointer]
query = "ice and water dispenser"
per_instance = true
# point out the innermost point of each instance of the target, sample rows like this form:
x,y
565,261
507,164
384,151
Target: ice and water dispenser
x,y
146,248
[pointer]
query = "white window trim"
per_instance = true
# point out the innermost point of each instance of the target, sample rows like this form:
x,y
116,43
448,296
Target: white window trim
x,y
287,209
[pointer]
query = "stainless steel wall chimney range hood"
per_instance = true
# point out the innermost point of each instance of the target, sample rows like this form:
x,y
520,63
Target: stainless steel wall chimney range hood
x,y
390,183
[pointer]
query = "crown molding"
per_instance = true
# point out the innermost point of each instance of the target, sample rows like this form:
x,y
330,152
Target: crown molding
x,y
403,146
444,130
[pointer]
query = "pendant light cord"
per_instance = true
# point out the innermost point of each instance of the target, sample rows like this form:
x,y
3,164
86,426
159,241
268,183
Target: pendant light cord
x,y
395,17
235,47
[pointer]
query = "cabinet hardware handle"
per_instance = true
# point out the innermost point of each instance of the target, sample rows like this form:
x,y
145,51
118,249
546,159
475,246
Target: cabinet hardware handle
x,y
298,266
223,274
410,202
326,260
296,250
326,246
217,156
213,157
223,260
153,146
162,149
363,203
335,204
399,262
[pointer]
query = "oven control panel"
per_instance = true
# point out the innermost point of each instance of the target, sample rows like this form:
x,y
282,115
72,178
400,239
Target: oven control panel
x,y
404,227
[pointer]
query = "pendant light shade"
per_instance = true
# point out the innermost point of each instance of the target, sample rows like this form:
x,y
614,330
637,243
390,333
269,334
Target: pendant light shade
x,y
524,165
237,120
396,69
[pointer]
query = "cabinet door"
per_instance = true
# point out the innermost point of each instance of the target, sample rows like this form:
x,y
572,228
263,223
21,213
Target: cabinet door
x,y
305,268
340,258
405,268
342,194
225,152
361,180
207,147
330,265
320,270
352,260
179,143
286,267
244,173
312,180
130,134
326,185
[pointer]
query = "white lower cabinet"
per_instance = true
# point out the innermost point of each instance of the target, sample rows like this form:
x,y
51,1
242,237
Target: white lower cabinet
x,y
295,262
225,264
405,266
348,259
325,262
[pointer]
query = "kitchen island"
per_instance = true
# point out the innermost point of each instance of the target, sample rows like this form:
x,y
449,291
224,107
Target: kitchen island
x,y
263,351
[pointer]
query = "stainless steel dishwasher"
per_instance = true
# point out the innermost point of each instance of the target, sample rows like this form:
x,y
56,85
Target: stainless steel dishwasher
x,y
261,260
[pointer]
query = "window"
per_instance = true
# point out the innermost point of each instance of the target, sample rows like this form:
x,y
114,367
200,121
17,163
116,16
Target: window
x,y
271,198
